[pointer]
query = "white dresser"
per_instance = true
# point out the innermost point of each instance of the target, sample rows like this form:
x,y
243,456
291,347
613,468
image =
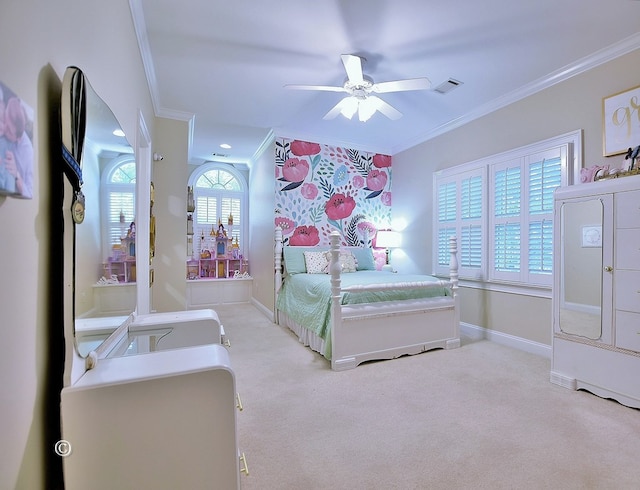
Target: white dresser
x,y
158,410
596,297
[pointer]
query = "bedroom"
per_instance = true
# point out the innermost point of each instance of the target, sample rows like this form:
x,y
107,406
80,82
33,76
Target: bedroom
x,y
576,103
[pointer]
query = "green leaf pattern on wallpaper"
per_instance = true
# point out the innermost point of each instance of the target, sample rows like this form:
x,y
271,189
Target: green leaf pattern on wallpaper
x,y
321,188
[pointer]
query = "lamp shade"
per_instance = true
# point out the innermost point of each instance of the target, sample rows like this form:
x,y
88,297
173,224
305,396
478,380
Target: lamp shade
x,y
387,239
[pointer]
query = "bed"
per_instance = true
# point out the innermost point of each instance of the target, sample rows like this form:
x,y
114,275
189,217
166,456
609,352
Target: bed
x,y
364,314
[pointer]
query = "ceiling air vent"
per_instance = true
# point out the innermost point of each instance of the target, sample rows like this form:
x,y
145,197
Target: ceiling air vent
x,y
447,86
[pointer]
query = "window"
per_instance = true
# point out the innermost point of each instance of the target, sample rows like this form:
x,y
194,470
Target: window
x,y
522,216
512,241
119,205
219,191
460,214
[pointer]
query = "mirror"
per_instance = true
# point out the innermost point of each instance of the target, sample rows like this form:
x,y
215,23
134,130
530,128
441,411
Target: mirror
x,y
104,285
581,274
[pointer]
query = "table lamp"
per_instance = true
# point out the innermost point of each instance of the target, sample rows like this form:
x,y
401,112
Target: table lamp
x,y
387,239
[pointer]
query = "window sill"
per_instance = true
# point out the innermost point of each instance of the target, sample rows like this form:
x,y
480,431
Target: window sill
x,y
219,279
503,287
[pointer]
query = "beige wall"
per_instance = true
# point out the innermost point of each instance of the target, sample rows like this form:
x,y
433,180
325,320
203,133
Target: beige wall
x,y
39,39
261,214
570,105
169,177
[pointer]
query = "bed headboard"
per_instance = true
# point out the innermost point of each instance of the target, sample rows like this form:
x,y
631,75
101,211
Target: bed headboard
x,y
279,255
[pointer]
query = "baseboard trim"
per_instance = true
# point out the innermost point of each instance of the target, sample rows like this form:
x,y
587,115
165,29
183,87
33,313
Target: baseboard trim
x,y
477,333
263,309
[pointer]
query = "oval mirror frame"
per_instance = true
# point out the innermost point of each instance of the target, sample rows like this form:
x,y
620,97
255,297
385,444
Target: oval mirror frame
x,y
91,147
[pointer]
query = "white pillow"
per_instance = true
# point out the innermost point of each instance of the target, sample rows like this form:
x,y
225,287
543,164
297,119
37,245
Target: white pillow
x,y
316,262
347,261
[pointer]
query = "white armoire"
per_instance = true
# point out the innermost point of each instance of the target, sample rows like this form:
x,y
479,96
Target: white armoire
x,y
596,292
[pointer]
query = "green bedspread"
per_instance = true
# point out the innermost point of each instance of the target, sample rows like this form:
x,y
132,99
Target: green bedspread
x,y
306,298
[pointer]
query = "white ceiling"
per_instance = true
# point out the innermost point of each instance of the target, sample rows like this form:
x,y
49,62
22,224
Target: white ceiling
x,y
226,62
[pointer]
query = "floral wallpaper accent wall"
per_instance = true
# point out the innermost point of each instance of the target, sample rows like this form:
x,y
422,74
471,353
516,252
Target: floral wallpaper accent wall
x,y
321,188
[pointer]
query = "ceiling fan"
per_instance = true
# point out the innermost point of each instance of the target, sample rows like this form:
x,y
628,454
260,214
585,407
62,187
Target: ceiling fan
x,y
361,91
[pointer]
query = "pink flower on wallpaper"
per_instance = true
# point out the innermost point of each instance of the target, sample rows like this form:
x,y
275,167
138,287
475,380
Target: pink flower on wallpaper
x,y
358,182
309,191
386,198
376,180
303,148
286,224
305,236
295,170
366,228
339,206
381,161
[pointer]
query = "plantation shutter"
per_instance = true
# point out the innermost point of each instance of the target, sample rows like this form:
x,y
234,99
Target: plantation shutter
x,y
545,175
446,220
120,203
470,245
507,191
512,241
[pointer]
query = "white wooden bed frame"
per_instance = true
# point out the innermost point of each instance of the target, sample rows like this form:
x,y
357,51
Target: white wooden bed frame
x,y
376,331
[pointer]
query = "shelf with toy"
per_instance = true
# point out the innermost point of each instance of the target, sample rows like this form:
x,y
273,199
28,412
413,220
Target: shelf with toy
x,y
219,256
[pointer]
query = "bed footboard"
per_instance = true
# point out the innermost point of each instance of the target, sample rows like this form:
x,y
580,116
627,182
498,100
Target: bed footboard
x,y
376,331
361,333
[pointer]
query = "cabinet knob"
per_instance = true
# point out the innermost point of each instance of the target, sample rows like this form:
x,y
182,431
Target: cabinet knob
x,y
608,268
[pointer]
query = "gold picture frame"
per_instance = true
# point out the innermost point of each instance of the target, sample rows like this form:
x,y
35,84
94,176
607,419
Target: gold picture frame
x,y
621,121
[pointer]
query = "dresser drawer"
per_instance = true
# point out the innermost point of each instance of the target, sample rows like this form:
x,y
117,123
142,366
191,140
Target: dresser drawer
x,y
627,290
628,330
627,209
628,248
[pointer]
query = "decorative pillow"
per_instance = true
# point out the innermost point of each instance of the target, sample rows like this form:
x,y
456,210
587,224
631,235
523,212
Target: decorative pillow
x,y
346,259
294,261
316,262
348,262
364,258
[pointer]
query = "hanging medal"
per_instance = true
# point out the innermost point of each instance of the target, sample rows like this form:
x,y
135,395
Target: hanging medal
x,y
77,208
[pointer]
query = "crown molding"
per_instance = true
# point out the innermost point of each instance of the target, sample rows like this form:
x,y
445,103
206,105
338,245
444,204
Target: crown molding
x,y
338,143
140,26
582,65
264,146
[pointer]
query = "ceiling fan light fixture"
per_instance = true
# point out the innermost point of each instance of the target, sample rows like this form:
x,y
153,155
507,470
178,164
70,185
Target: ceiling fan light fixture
x,y
367,108
349,107
361,91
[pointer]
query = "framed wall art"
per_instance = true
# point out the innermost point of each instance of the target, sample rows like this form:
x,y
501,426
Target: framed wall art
x,y
621,121
16,145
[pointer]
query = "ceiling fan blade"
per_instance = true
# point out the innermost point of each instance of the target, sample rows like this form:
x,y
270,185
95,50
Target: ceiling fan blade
x,y
353,66
388,110
325,88
402,85
347,106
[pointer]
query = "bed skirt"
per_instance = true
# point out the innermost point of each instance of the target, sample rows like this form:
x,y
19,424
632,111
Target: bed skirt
x,y
305,336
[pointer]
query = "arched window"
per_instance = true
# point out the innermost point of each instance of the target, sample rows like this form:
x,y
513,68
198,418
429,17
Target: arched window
x,y
119,205
219,191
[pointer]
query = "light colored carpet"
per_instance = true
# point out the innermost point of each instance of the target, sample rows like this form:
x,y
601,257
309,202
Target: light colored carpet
x,y
481,416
